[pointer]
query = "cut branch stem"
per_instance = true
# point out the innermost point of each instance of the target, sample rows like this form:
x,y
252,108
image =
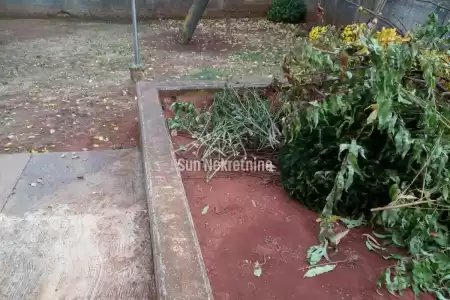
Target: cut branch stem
x,y
402,205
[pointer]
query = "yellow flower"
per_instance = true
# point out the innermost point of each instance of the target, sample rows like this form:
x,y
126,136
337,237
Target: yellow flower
x,y
316,32
389,35
352,33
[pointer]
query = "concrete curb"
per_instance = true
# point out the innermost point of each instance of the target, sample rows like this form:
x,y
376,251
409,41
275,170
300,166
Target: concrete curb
x,y
180,272
174,88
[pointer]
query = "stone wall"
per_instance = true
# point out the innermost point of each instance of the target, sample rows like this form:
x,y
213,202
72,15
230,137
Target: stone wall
x,y
406,13
409,13
121,8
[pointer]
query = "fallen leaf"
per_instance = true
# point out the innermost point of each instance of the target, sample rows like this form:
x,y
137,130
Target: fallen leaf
x,y
373,240
52,131
63,155
316,253
33,184
372,244
205,209
353,223
314,271
116,128
336,239
257,270
39,180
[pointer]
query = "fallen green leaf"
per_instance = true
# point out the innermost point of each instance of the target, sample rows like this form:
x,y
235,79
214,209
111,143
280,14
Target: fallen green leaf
x,y
373,247
393,256
381,236
257,270
205,210
351,223
369,246
315,254
314,271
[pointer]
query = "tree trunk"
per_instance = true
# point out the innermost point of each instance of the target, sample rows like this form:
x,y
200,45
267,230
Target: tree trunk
x,y
192,19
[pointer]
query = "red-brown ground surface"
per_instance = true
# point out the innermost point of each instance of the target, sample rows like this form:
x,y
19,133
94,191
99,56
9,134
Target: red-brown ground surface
x,y
250,219
64,83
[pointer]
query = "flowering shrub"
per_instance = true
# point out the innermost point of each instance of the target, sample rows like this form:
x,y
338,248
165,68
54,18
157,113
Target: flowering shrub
x,y
317,31
352,33
389,35
377,143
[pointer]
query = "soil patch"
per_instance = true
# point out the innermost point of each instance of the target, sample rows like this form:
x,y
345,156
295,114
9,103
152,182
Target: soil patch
x,y
64,83
211,43
106,119
244,218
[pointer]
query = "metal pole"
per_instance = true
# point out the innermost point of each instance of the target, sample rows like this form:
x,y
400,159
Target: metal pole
x,y
136,60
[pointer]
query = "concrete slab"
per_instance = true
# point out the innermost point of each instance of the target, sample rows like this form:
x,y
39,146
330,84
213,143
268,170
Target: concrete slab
x,y
11,167
179,268
77,238
48,174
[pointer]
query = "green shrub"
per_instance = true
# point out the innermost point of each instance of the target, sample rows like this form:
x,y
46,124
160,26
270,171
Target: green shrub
x,y
373,128
287,11
312,159
380,133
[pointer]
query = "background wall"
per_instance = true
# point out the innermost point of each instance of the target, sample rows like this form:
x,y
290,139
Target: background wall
x,y
121,8
406,12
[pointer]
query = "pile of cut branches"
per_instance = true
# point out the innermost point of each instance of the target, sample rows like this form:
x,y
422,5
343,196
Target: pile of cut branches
x,y
237,124
367,129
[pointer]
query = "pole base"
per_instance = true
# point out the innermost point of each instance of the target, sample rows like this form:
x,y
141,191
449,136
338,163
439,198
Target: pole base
x,y
137,74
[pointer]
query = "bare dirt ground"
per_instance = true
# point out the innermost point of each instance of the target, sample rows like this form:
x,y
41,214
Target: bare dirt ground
x,y
250,219
64,84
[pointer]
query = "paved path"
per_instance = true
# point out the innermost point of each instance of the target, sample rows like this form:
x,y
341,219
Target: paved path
x,y
74,226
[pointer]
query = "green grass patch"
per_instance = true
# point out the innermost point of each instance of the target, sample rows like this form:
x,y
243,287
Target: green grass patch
x,y
206,74
249,56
